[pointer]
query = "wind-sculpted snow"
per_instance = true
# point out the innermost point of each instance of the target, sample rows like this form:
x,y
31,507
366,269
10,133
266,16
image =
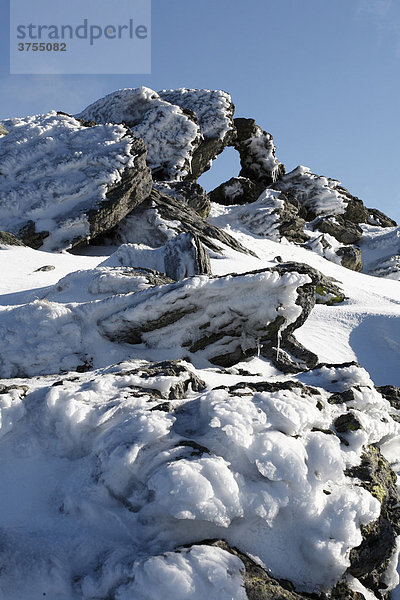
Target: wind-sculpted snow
x,y
56,174
170,135
122,471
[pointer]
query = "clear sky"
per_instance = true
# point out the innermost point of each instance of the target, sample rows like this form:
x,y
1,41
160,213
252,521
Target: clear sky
x,y
323,76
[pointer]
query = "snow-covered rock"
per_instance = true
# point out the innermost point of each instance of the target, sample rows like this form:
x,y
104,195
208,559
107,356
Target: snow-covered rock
x,y
214,111
170,134
183,256
257,152
63,182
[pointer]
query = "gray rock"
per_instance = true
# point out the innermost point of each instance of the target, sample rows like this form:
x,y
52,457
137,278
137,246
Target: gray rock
x,y
45,268
257,152
189,193
170,133
238,190
350,257
344,231
376,217
162,217
390,393
214,111
370,560
181,381
261,585
211,316
71,181
8,239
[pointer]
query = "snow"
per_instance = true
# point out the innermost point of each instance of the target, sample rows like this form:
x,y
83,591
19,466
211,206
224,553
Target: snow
x,y
105,485
54,170
170,135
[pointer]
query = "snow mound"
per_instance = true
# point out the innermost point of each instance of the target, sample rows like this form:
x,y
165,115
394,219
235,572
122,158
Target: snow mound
x,y
126,478
54,171
170,135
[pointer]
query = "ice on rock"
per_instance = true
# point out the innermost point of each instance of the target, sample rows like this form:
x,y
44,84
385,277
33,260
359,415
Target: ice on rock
x,y
170,135
213,108
55,171
318,194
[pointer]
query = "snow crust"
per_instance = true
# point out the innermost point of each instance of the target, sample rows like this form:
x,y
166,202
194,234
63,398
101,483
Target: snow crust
x,y
54,170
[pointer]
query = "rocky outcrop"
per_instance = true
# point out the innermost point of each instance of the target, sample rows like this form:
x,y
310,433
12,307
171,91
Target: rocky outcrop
x,y
237,190
161,217
214,112
64,182
189,193
371,560
8,239
183,256
227,318
257,152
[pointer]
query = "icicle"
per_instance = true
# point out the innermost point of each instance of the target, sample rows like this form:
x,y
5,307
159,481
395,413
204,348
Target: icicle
x,y
278,343
258,347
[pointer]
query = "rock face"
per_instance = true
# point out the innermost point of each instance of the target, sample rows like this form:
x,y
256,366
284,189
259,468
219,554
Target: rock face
x,y
191,194
161,217
8,239
227,318
257,152
63,182
214,111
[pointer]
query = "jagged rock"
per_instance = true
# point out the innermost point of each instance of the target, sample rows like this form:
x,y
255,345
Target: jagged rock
x,y
371,559
64,183
214,111
344,231
170,133
188,192
183,256
177,376
8,239
3,131
229,318
161,217
45,268
238,190
321,196
347,422
376,217
350,257
257,152
390,393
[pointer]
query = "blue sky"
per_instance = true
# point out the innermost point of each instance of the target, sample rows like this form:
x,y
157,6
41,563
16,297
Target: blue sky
x,y
322,76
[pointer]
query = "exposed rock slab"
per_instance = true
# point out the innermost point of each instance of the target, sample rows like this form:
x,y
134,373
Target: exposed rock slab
x,y
189,193
63,182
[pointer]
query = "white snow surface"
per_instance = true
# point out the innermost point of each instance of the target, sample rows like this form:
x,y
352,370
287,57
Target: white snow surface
x,y
104,485
169,134
54,170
